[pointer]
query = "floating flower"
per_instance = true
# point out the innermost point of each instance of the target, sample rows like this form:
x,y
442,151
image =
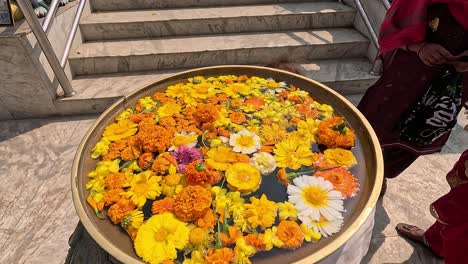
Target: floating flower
x,y
342,180
260,212
233,234
245,142
334,132
243,177
272,133
159,238
219,256
220,158
207,221
198,236
192,202
315,196
290,233
292,154
310,234
264,162
120,130
199,173
143,186
101,148
341,157
256,240
131,222
271,239
118,210
287,211
184,139
168,109
116,181
242,251
326,227
165,205
185,155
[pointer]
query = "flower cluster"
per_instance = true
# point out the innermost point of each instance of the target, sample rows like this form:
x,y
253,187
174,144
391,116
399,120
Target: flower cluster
x,y
181,171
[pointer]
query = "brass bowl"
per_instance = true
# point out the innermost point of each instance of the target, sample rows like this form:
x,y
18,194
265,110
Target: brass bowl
x,y
367,150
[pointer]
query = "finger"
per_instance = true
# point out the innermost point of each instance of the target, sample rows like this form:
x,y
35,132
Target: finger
x,y
438,58
445,53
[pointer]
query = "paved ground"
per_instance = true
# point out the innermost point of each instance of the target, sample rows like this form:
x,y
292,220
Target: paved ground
x,y
37,214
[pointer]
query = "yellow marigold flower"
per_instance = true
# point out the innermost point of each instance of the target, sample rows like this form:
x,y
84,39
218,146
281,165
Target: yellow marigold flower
x,y
235,90
243,177
202,90
196,258
271,239
177,91
101,148
287,211
292,154
103,169
273,133
310,234
339,156
260,212
159,238
124,114
143,186
147,103
168,109
198,236
120,130
220,158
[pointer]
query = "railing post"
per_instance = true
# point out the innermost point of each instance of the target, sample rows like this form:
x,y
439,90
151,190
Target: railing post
x,y
71,35
49,19
46,47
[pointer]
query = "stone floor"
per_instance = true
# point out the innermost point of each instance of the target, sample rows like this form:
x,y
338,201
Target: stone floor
x,y
37,214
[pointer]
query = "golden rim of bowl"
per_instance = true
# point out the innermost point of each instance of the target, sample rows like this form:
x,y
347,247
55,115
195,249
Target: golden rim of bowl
x,y
314,257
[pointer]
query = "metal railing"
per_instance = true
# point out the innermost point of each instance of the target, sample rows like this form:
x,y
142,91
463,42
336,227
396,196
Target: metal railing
x,y
377,66
40,32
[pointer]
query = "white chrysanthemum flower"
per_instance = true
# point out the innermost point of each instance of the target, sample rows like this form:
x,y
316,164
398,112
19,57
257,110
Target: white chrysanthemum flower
x,y
184,139
264,162
245,142
323,226
315,197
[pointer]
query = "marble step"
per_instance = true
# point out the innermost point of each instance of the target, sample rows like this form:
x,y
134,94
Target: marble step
x,y
215,20
97,92
199,51
112,5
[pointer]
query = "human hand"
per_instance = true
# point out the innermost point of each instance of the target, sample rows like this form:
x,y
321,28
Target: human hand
x,y
432,54
461,66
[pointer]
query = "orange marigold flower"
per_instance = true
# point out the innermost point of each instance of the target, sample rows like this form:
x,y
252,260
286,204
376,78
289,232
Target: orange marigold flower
x,y
163,98
243,158
192,202
219,256
236,103
307,111
155,138
206,113
167,122
120,209
199,173
114,149
162,163
296,99
112,196
334,133
237,117
256,240
283,176
242,78
234,233
342,180
290,233
224,132
207,221
163,206
137,118
144,161
115,181
255,102
319,162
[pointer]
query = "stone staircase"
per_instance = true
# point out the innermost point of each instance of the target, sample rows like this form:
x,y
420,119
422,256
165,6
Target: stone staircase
x,y
131,43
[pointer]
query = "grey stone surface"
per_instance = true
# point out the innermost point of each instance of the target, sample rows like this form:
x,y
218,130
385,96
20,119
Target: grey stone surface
x,y
110,5
37,216
255,48
215,20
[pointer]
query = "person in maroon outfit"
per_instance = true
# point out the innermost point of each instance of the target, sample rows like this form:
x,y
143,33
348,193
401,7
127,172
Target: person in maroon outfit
x,y
419,40
448,236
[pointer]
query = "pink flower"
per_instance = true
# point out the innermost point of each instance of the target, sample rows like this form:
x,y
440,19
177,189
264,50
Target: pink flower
x,y
185,155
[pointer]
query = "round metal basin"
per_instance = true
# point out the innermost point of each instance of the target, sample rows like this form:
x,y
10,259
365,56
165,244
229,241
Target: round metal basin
x,y
367,151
